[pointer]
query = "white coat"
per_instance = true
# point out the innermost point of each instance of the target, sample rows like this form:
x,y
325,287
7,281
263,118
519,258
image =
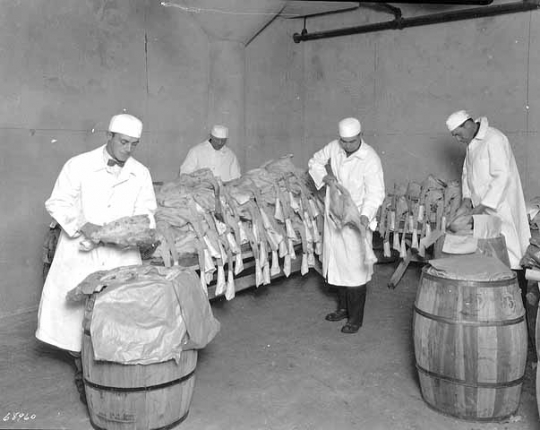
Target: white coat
x,y
491,178
362,175
223,163
87,190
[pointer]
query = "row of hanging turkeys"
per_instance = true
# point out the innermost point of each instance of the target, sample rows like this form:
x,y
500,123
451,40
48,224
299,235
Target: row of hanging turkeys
x,y
267,211
414,210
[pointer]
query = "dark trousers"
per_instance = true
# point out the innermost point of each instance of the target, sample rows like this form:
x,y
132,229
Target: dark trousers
x,y
522,282
530,304
353,299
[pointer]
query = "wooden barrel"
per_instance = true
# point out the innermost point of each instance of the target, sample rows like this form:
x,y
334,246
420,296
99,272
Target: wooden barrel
x,y
493,247
136,397
470,343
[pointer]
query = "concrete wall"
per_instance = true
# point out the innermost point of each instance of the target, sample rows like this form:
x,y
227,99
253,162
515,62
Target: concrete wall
x,y
403,85
68,66
274,96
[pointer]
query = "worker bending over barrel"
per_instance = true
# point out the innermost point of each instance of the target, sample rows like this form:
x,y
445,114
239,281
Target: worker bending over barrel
x,y
491,183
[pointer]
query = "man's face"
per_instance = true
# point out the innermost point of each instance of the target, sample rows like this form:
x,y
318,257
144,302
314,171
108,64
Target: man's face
x,y
217,142
121,146
351,144
465,132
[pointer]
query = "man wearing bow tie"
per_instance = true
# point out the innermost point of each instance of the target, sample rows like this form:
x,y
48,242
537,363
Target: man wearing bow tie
x,y
92,189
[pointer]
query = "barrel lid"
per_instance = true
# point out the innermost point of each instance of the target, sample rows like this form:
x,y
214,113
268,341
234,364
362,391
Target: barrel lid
x,y
473,267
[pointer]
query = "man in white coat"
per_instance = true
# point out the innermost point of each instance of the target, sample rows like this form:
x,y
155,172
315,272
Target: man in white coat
x,y
92,189
214,155
491,183
355,165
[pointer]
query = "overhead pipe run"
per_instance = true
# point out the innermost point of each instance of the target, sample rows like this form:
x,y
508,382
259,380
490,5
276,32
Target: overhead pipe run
x,y
437,18
446,2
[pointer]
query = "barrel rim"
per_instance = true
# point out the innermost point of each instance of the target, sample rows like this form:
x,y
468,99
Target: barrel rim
x,y
468,282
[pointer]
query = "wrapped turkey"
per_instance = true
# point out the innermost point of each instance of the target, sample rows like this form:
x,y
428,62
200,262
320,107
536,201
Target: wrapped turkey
x,y
125,232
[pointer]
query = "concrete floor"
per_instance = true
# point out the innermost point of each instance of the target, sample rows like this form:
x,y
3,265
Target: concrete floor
x,y
276,364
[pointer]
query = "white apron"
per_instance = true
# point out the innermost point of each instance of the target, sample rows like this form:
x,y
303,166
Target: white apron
x,y
59,321
343,256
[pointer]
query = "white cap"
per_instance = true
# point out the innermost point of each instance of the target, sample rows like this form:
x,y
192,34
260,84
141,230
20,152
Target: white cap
x,y
126,124
457,119
220,131
349,127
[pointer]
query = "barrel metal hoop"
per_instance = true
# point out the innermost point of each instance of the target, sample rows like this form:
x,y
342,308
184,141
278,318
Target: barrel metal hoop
x,y
469,283
469,323
167,427
465,416
471,384
136,389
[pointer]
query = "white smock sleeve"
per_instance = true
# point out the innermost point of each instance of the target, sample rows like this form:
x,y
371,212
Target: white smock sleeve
x,y
235,171
64,203
374,189
465,190
190,164
499,171
317,165
146,200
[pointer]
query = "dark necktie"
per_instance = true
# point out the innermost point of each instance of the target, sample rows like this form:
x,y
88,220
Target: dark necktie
x,y
113,162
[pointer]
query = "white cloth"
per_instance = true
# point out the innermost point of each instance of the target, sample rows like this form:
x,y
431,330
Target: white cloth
x,y
486,226
223,163
361,173
491,178
87,191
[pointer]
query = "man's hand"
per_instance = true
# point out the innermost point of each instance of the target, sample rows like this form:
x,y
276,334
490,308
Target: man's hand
x,y
328,179
364,220
364,225
89,229
463,223
480,209
465,208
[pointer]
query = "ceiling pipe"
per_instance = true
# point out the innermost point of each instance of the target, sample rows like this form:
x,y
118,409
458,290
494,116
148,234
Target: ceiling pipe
x,y
441,2
330,12
401,23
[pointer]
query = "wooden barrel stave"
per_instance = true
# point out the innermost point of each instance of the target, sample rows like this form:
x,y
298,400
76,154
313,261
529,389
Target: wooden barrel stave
x,y
473,404
154,396
537,339
470,342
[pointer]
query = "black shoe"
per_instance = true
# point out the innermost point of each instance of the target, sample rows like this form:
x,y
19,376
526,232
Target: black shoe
x,y
350,328
337,315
